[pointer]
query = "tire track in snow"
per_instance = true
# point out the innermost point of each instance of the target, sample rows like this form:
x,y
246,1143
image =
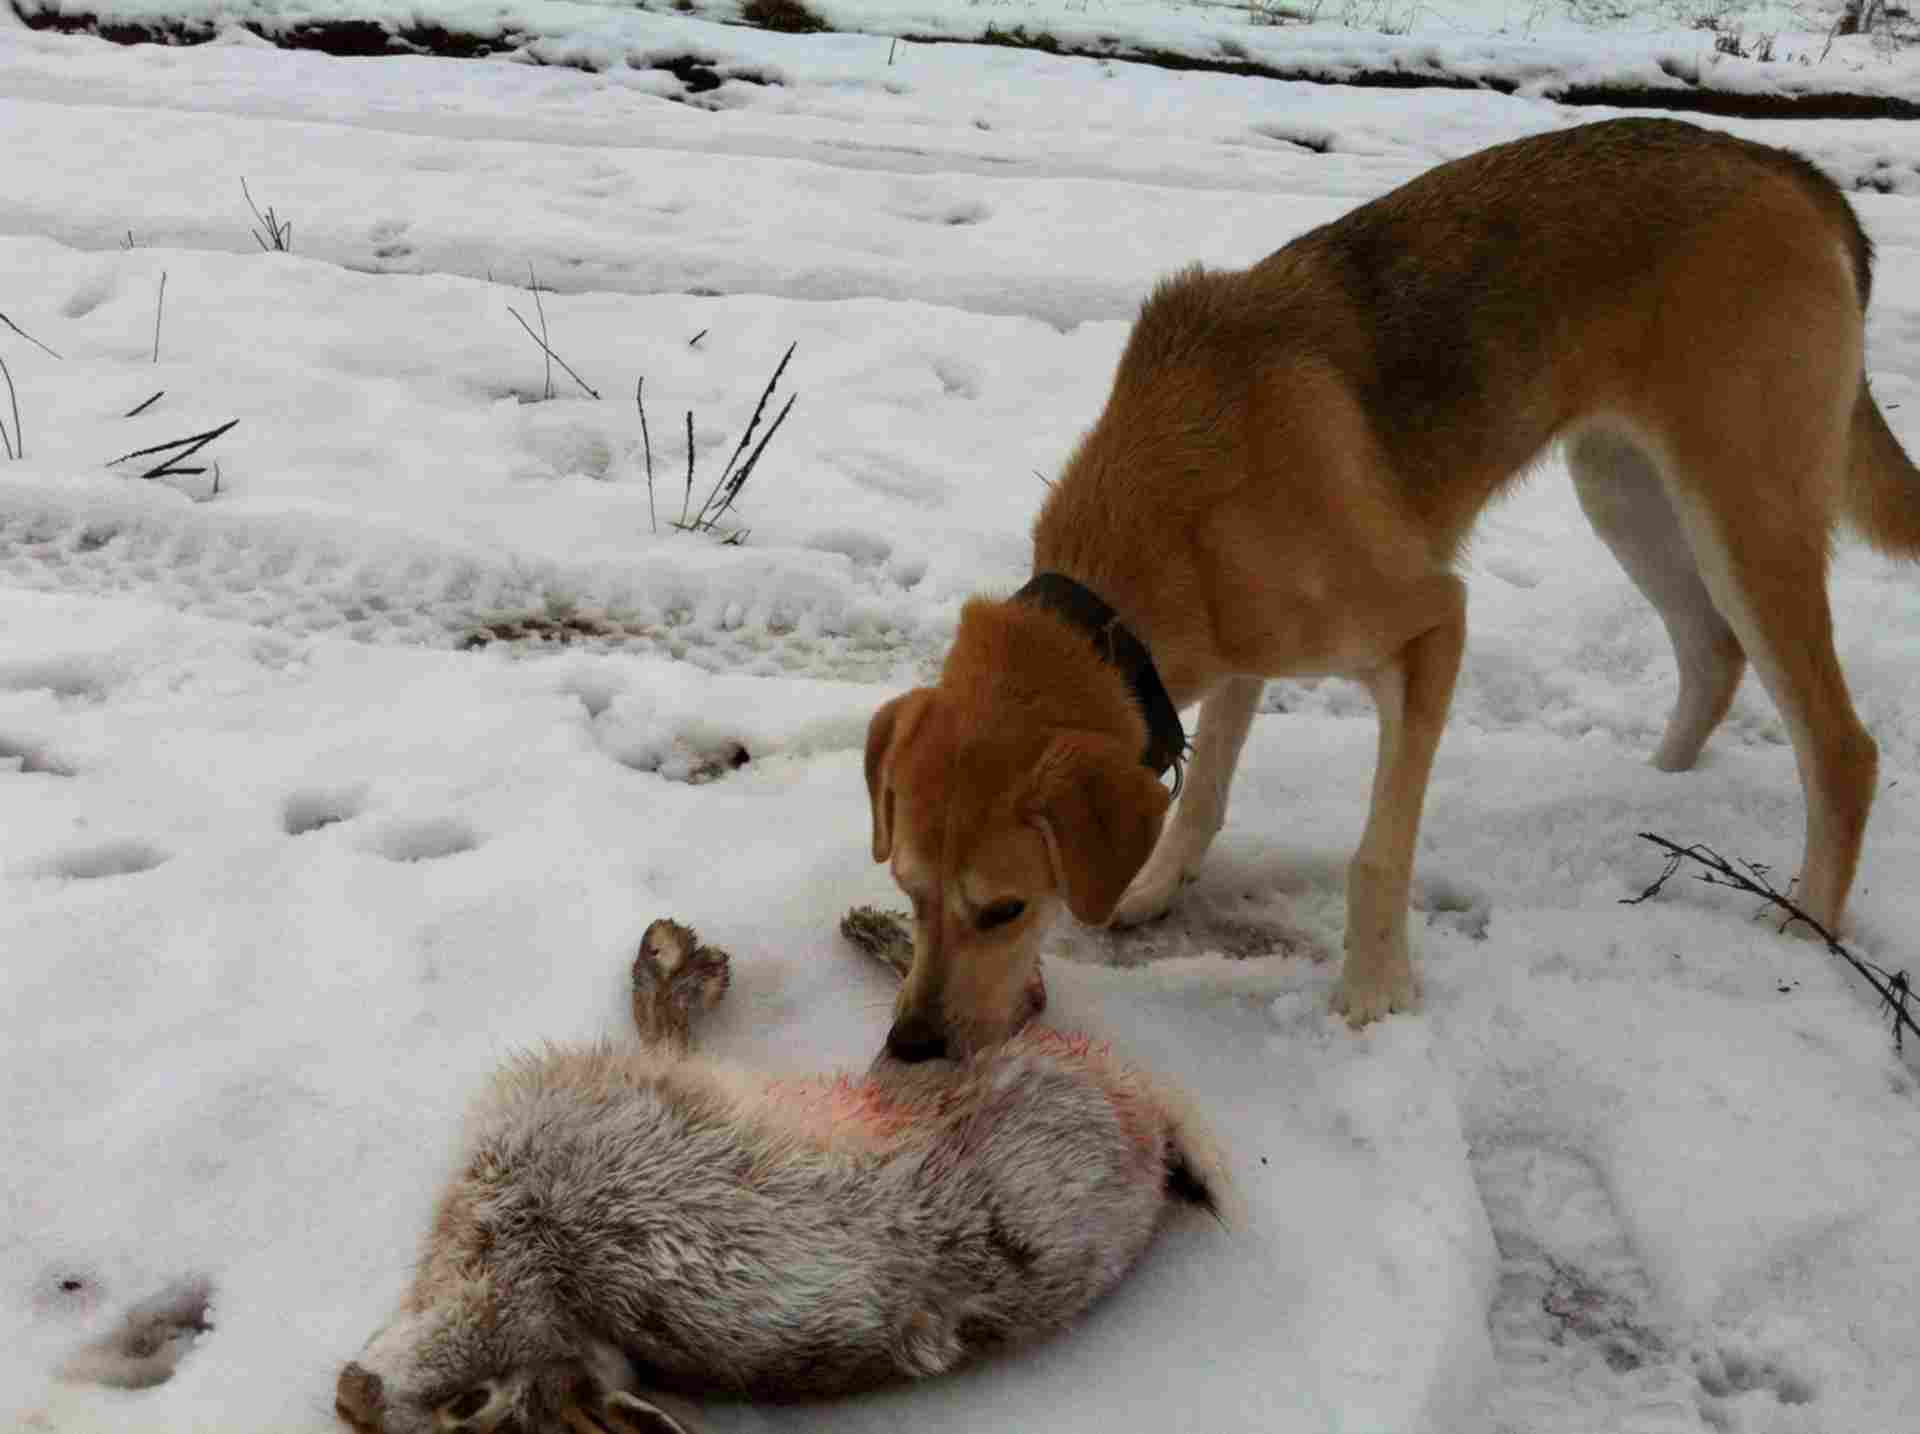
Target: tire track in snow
x,y
1578,1334
308,577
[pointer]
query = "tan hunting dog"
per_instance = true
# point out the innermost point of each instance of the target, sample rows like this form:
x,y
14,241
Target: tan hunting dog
x,y
1287,466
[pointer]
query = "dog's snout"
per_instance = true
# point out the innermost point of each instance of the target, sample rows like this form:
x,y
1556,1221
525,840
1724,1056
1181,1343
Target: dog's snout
x,y
914,1039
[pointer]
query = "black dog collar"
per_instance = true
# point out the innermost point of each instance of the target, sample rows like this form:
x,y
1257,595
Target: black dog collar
x,y
1116,644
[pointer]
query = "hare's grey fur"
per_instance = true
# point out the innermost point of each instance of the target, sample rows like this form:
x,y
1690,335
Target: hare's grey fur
x,y
630,1217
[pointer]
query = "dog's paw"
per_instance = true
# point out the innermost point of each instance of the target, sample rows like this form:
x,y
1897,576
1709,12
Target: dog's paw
x,y
1365,997
1148,899
674,977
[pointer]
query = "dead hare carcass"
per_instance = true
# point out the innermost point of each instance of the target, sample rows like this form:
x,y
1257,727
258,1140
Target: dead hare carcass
x,y
632,1218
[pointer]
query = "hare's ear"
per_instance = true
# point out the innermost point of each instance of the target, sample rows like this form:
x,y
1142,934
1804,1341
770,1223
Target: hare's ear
x,y
888,733
622,1413
1100,811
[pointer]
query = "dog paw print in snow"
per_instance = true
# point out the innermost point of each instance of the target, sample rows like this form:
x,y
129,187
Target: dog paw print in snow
x,y
146,1347
423,839
390,243
26,754
105,859
317,809
1734,1377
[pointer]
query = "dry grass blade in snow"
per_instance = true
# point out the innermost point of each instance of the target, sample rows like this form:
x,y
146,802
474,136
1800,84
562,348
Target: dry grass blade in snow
x,y
27,336
540,338
732,479
278,238
16,446
176,450
787,16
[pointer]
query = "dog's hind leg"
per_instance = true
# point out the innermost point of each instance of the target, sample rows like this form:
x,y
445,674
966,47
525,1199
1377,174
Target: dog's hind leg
x,y
1753,433
1766,565
1625,500
1225,716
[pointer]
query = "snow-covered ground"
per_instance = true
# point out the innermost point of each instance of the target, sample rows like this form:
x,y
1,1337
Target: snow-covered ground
x,y
1786,54
286,866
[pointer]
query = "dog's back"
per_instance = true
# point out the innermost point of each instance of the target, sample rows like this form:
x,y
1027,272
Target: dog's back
x,y
1480,310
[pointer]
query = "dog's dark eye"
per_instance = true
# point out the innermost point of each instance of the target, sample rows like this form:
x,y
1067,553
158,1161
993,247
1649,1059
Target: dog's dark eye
x,y
1000,913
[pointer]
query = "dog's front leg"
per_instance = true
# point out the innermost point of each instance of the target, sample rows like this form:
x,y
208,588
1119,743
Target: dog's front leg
x,y
1412,694
1225,716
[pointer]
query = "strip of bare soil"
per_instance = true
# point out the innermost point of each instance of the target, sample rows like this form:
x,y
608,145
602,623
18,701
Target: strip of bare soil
x,y
366,37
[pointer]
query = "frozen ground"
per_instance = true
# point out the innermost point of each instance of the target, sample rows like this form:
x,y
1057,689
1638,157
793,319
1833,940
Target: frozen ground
x,y
1729,56
286,866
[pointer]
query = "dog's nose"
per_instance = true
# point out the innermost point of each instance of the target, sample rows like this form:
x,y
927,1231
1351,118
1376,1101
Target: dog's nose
x,y
913,1039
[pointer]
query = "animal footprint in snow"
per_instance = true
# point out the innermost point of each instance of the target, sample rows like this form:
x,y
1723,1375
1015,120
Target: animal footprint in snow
x,y
312,810
1729,1372
150,1342
1457,904
68,679
25,754
389,238
89,295
427,840
959,378
113,858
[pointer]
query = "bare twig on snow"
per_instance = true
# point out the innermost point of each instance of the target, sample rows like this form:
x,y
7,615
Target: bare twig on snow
x,y
1894,988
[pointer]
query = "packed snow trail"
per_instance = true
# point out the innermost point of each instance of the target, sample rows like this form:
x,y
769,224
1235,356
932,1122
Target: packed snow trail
x,y
308,578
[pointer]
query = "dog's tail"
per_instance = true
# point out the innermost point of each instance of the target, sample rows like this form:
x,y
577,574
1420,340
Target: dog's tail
x,y
1883,486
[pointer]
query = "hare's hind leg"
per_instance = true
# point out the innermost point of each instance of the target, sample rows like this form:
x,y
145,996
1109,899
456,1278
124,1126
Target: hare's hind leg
x,y
673,977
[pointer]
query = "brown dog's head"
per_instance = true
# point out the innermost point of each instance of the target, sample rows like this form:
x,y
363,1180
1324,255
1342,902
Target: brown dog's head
x,y
1014,785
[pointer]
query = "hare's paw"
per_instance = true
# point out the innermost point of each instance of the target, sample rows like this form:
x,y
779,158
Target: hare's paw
x,y
674,976
883,935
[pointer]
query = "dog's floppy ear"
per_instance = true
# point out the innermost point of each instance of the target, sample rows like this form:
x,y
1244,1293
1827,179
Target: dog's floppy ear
x,y
1100,811
889,731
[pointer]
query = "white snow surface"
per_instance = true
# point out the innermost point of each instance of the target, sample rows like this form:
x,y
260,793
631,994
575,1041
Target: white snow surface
x,y
286,868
